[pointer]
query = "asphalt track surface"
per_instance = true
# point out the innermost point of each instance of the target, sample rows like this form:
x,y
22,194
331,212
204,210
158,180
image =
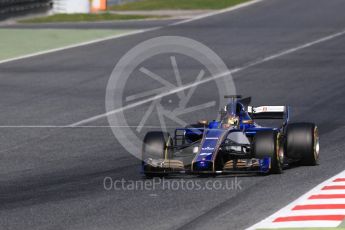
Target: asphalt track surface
x,y
53,178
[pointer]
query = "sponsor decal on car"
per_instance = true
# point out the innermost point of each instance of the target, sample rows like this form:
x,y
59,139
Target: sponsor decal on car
x,y
211,138
208,148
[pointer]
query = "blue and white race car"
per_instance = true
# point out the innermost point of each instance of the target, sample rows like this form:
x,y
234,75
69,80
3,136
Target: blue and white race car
x,y
232,144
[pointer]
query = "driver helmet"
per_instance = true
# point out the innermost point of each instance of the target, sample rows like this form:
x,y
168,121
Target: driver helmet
x,y
230,120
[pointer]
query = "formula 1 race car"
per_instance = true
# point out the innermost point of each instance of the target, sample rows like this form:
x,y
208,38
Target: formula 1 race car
x,y
232,144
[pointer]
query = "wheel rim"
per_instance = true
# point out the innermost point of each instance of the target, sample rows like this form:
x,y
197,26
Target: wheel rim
x,y
316,144
280,151
281,155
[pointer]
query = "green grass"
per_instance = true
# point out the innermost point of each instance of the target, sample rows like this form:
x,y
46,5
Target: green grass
x,y
84,18
177,4
19,42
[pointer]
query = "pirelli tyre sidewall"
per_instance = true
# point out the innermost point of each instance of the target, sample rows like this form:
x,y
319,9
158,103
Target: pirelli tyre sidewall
x,y
267,144
156,146
302,143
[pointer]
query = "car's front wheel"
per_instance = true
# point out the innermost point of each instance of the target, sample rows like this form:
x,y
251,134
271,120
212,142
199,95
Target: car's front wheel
x,y
156,148
267,144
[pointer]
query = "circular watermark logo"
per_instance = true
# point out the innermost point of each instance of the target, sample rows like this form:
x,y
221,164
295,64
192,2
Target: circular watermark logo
x,y
162,83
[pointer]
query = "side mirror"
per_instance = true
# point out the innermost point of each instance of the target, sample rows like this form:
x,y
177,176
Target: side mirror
x,y
203,122
248,122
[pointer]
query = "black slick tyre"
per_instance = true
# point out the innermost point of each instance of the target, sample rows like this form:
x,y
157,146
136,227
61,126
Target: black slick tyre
x,y
302,143
266,144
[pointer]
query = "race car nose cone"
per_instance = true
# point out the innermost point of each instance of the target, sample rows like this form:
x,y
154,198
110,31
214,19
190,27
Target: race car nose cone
x,y
202,166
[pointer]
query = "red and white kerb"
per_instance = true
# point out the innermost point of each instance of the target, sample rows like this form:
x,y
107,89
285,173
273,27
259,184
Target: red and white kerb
x,y
323,206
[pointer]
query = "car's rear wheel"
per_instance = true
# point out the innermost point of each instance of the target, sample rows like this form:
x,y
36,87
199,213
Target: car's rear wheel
x,y
156,146
267,144
302,142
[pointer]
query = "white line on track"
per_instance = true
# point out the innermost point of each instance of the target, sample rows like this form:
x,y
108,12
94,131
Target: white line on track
x,y
236,7
182,88
133,32
77,45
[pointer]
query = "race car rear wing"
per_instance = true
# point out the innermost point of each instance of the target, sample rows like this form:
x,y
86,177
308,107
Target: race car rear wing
x,y
269,112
